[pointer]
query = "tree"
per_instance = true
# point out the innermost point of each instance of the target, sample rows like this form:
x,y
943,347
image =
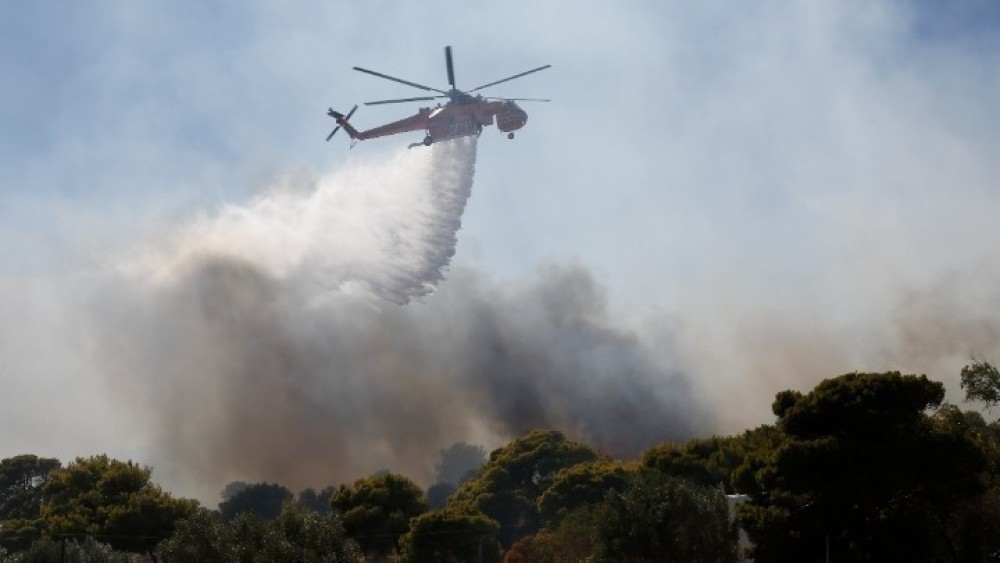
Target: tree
x,y
264,500
983,530
574,539
297,534
21,480
759,445
377,510
665,519
862,468
459,462
49,550
507,488
974,525
707,461
318,502
580,485
202,537
650,517
981,382
111,500
232,488
311,536
451,535
536,548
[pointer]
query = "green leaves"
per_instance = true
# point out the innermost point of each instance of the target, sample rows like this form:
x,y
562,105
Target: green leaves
x,y
507,488
862,465
260,499
707,461
580,485
667,519
451,534
113,500
981,382
296,534
872,465
21,480
858,404
377,510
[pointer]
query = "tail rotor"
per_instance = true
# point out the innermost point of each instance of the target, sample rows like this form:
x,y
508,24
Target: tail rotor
x,y
338,116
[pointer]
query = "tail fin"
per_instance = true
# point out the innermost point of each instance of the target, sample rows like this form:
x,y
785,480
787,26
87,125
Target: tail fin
x,y
342,122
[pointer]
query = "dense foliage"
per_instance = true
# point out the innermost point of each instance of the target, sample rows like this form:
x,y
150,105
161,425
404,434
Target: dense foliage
x,y
296,534
49,550
264,500
21,480
981,381
581,485
864,467
707,462
319,502
111,500
508,487
377,510
646,516
665,519
865,473
451,535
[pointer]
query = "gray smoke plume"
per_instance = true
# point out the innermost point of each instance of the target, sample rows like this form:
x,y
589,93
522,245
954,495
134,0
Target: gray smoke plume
x,y
259,345
948,323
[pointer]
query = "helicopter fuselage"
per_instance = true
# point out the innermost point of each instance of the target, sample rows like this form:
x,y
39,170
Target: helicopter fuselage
x,y
453,120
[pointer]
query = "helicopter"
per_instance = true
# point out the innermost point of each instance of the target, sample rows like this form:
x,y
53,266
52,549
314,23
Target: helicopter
x,y
463,115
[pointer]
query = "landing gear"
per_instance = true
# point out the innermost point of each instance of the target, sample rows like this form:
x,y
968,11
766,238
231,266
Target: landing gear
x,y
510,135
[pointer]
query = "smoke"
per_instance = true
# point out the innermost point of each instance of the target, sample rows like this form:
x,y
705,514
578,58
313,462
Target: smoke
x,y
805,192
268,343
948,323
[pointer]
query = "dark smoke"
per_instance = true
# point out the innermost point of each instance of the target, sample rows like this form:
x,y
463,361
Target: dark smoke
x,y
253,354
243,376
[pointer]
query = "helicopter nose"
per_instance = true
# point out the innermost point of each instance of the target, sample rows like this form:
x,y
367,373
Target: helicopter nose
x,y
512,119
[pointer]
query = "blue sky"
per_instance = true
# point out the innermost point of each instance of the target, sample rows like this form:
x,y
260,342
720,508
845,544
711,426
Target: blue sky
x,y
794,189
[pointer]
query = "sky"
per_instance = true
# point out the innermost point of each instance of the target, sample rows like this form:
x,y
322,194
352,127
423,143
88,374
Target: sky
x,y
721,201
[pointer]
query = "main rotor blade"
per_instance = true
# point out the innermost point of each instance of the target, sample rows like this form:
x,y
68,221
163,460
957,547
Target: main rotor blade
x,y
510,78
403,100
400,80
520,99
451,69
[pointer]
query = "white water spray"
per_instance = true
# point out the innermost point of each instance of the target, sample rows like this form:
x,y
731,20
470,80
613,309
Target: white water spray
x,y
387,228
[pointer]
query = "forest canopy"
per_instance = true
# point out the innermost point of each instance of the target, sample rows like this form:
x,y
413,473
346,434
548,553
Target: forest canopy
x,y
863,467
